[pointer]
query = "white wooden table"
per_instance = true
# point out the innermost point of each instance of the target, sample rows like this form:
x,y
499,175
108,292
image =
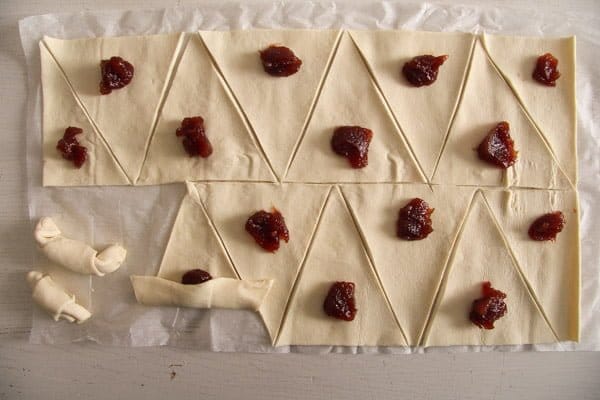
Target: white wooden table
x,y
90,371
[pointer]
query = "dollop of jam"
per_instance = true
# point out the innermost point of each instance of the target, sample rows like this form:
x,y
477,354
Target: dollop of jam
x,y
195,276
546,70
267,229
340,302
116,74
279,61
423,70
489,308
70,148
352,142
195,141
498,147
547,226
414,220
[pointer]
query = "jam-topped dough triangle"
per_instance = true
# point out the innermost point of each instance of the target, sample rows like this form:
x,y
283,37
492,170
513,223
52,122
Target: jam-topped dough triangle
x,y
230,205
552,108
550,267
487,101
277,107
61,111
350,97
410,270
480,255
198,91
423,113
337,254
125,116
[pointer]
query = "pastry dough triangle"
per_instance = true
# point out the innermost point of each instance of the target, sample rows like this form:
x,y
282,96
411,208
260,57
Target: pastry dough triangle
x,y
337,254
197,90
550,268
551,108
424,113
61,110
410,271
486,101
124,117
230,204
350,97
480,254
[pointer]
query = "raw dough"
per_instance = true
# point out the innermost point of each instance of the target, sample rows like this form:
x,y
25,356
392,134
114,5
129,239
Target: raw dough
x,y
215,293
424,113
551,108
280,114
486,101
126,116
350,97
480,254
197,90
75,255
52,298
410,271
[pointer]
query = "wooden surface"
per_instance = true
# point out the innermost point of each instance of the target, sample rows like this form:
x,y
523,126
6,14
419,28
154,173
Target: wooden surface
x,y
94,372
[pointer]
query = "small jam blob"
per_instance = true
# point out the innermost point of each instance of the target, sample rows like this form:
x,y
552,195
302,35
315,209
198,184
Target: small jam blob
x,y
279,61
352,142
547,226
195,276
268,229
195,141
116,74
414,220
546,70
498,147
340,302
489,308
423,70
70,148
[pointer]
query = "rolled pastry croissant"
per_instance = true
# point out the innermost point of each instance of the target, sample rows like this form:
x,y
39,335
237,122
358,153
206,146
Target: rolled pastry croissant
x,y
52,298
75,255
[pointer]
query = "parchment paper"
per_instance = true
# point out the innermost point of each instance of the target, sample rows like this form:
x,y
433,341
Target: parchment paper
x,y
141,218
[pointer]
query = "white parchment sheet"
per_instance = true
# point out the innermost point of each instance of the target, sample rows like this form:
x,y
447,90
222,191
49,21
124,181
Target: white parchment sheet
x,y
141,218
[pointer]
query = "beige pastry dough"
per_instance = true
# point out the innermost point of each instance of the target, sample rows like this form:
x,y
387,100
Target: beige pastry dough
x,y
61,110
350,97
124,117
337,254
480,254
197,90
215,293
410,271
550,268
486,101
279,117
52,298
75,255
551,108
424,113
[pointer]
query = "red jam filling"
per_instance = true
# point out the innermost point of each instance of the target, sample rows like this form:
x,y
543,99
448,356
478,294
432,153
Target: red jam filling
x,y
489,308
70,148
352,142
195,141
546,70
340,302
498,147
414,220
195,276
116,74
547,226
423,70
268,229
279,61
